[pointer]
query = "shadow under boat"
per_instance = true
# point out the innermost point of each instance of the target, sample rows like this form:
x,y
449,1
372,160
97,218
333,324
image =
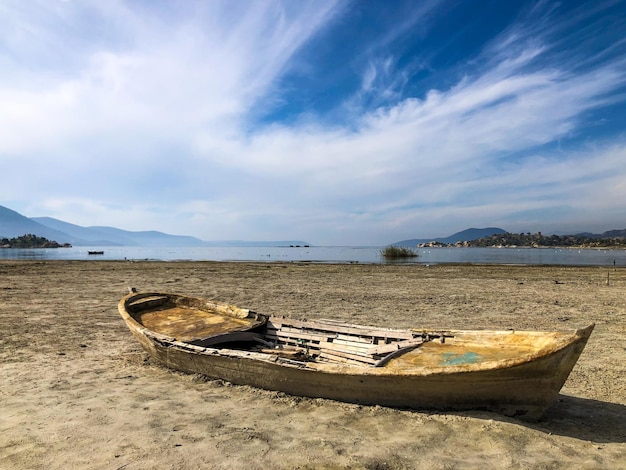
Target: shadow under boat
x,y
579,418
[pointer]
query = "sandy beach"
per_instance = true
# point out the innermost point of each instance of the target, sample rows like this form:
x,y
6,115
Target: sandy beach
x,y
76,390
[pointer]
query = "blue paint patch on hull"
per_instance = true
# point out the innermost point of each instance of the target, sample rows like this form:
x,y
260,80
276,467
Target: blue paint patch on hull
x,y
451,359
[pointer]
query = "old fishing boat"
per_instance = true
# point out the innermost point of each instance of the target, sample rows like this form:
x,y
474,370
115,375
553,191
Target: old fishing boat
x,y
516,373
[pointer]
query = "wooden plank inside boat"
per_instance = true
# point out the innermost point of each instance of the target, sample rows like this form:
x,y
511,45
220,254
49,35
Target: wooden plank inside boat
x,y
342,356
332,341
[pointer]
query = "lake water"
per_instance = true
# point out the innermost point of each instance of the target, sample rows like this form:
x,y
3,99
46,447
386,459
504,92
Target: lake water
x,y
331,254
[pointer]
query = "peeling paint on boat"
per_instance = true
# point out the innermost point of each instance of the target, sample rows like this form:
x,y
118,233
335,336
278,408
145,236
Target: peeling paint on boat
x,y
451,359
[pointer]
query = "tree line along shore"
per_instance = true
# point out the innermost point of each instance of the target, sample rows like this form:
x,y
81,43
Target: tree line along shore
x,y
538,240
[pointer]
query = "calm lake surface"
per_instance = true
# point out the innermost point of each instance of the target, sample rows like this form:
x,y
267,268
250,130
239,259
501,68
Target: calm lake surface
x,y
330,254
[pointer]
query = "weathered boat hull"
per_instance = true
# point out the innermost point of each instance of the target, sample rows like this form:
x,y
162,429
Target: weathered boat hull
x,y
514,387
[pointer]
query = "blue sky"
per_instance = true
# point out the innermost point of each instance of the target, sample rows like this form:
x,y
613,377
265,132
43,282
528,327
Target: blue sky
x,y
333,122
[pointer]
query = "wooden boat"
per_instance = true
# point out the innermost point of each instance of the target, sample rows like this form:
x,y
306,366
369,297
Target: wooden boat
x,y
516,373
95,252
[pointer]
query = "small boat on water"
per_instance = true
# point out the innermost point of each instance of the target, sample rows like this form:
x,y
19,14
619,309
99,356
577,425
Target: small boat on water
x,y
516,373
95,252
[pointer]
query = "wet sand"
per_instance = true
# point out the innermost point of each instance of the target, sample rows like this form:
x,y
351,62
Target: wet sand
x,y
76,390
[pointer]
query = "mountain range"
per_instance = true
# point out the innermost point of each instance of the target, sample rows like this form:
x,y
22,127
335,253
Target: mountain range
x,y
14,224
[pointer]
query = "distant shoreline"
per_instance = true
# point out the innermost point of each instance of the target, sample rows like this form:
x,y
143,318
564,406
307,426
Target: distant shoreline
x,y
539,247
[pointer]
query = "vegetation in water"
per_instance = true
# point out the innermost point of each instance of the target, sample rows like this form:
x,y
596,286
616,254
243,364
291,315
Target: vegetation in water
x,y
398,252
30,241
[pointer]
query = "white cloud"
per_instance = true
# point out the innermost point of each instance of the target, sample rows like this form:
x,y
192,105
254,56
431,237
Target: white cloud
x,y
165,78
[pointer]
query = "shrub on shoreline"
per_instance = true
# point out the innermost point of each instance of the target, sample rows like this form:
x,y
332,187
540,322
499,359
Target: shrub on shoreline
x,y
396,252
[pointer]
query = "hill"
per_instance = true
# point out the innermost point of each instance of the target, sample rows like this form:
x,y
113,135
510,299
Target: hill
x,y
608,234
111,236
79,235
13,224
30,241
465,235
